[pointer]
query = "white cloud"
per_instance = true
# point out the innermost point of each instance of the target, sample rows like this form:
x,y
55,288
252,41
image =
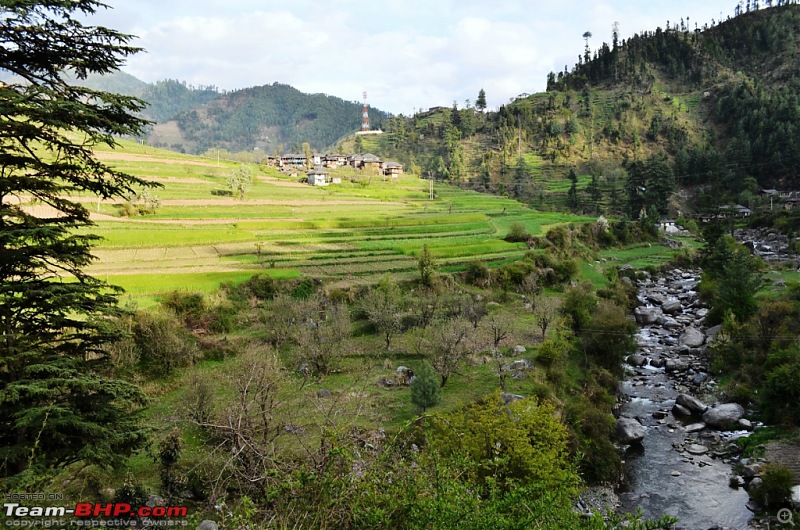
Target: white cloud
x,y
406,53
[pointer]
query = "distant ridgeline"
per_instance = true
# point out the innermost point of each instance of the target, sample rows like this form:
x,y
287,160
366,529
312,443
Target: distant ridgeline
x,y
272,118
716,104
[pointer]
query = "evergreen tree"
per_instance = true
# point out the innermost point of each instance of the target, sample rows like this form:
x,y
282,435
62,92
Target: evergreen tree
x,y
480,103
57,402
426,391
572,195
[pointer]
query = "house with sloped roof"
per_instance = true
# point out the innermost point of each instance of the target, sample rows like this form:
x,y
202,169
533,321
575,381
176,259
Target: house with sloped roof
x,y
318,177
371,161
392,169
333,160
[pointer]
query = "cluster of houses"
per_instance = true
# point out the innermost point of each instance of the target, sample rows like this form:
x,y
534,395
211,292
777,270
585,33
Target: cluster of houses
x,y
291,162
789,200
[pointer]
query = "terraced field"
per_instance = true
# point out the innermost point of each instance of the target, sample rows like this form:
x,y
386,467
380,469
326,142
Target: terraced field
x,y
345,234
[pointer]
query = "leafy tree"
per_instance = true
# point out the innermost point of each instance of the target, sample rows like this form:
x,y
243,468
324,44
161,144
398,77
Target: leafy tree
x,y
480,103
425,389
241,180
608,338
426,266
58,404
522,443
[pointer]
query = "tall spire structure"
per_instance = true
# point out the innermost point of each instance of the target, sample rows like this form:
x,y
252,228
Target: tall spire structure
x,y
365,115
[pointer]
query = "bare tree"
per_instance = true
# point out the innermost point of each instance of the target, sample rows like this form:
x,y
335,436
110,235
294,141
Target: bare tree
x,y
322,341
446,344
545,311
248,428
384,308
497,328
280,319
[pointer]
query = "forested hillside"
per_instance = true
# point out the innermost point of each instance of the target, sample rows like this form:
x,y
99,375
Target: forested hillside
x,y
709,110
271,117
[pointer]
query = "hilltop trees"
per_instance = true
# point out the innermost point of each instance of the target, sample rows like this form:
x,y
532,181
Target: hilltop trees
x,y
58,404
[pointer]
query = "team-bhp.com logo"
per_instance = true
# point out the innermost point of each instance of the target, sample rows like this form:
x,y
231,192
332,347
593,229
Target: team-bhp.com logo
x,y
118,514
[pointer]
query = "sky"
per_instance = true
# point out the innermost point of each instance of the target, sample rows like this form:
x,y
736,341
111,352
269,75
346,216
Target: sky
x,y
406,54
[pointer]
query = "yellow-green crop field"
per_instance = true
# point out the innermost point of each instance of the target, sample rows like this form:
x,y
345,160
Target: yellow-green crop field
x,y
354,232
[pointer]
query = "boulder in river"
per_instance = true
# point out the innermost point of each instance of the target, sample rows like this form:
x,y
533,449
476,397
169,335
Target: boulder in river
x,y
692,337
692,404
680,410
671,306
697,449
646,315
724,416
676,365
629,431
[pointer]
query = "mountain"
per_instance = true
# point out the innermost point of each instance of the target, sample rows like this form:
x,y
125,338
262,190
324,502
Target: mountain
x,y
194,119
265,117
712,112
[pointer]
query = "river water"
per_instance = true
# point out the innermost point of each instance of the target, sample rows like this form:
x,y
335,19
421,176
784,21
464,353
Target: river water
x,y
662,477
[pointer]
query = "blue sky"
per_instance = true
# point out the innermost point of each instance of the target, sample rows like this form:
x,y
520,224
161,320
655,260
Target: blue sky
x,y
407,54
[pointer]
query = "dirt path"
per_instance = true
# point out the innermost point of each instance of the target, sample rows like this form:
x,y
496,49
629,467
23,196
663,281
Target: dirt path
x,y
130,157
281,183
192,222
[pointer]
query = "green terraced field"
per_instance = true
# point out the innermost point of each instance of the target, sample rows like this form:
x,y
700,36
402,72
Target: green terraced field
x,y
350,233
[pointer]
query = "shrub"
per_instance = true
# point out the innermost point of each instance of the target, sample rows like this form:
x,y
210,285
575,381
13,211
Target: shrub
x,y
426,392
517,233
775,488
188,306
261,286
477,274
163,343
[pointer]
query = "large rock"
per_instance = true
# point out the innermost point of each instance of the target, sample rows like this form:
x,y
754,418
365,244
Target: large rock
x,y
629,431
680,410
724,416
676,365
692,337
671,306
510,398
646,315
697,449
207,524
692,403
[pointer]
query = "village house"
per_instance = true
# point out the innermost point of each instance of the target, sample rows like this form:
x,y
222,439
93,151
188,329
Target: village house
x,y
318,177
293,160
355,160
392,169
333,160
370,161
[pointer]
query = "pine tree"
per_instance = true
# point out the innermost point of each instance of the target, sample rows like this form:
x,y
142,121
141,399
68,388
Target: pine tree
x,y
426,391
480,103
572,195
57,403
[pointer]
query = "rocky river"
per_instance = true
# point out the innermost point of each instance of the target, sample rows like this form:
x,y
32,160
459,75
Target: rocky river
x,y
680,454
